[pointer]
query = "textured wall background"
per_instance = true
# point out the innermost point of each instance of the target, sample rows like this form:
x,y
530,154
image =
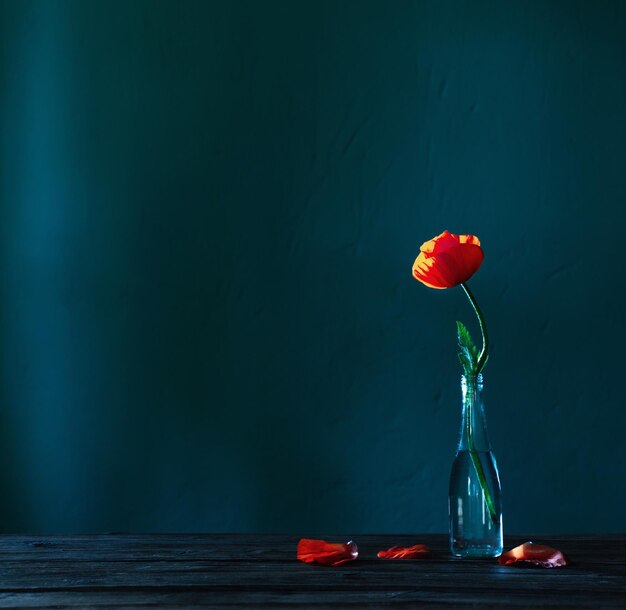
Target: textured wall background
x,y
209,215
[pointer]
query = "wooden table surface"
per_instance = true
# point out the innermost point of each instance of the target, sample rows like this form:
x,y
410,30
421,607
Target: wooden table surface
x,y
250,571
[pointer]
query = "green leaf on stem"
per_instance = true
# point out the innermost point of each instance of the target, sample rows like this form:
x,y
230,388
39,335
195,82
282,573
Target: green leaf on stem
x,y
468,352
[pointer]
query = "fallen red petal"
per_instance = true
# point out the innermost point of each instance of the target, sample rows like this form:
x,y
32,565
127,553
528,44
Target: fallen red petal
x,y
536,554
417,551
326,553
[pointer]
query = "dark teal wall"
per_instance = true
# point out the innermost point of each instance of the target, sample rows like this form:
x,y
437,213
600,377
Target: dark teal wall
x,y
209,212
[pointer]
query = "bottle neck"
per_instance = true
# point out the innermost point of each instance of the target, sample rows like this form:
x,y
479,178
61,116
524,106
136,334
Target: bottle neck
x,y
473,422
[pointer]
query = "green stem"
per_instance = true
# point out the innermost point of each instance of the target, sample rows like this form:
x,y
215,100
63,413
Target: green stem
x,y
482,359
478,467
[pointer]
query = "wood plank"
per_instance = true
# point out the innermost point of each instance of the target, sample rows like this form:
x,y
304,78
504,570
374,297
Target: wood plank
x,y
240,570
261,547
321,599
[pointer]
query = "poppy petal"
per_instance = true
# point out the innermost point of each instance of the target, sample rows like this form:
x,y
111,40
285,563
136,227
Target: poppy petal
x,y
469,239
536,554
448,260
447,240
417,551
425,271
326,553
459,264
442,242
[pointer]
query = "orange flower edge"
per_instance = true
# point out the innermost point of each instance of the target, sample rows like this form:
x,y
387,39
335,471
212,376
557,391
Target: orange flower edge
x,y
536,554
417,551
448,260
326,553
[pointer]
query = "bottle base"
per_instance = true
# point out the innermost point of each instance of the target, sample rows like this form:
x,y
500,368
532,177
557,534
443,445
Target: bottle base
x,y
476,551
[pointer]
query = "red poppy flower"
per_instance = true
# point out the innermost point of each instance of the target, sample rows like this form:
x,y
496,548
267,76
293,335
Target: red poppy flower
x,y
418,551
326,553
448,260
537,554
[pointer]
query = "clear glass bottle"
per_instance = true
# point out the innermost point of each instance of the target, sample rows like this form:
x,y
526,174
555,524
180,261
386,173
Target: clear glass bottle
x,y
475,502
